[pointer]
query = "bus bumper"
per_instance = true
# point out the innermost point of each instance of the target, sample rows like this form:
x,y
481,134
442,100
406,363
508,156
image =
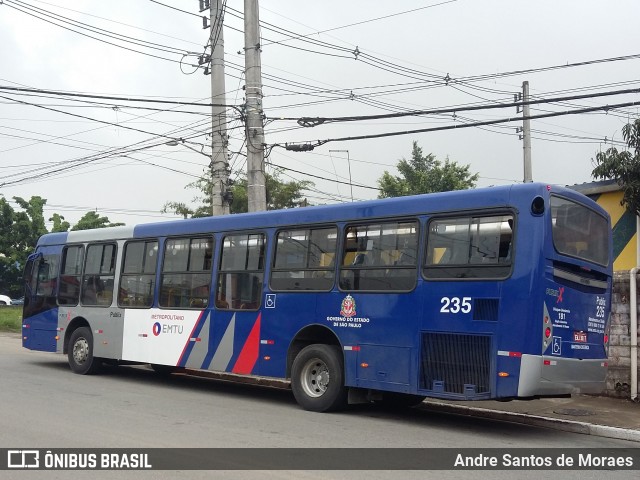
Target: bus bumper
x,y
546,375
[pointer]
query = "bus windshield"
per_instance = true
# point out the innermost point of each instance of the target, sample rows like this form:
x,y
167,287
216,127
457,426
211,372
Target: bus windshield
x,y
579,231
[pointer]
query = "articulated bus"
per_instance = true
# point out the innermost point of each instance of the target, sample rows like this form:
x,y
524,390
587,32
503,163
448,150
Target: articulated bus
x,y
494,293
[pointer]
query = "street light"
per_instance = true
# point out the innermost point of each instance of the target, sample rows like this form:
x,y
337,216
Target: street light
x,y
175,143
348,163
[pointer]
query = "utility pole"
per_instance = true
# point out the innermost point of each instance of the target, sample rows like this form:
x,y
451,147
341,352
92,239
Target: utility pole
x,y
220,198
256,190
526,133
349,164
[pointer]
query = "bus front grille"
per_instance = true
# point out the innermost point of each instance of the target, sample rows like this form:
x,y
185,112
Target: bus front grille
x,y
456,365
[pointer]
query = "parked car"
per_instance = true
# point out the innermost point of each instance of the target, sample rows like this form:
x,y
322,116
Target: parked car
x,y
17,301
4,300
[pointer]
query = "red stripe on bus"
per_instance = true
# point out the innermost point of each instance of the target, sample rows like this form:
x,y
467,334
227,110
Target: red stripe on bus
x,y
249,353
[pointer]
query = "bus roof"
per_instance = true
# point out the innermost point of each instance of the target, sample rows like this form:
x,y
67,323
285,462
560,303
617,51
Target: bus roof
x,y
489,197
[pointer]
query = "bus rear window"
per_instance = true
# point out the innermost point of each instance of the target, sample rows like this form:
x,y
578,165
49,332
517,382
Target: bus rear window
x,y
579,231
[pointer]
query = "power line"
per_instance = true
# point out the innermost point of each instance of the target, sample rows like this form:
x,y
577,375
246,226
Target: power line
x,y
139,43
112,97
84,117
307,146
117,22
359,185
314,121
175,8
79,208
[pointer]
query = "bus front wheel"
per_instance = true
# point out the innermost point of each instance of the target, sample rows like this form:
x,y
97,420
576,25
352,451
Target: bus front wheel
x,y
80,352
317,378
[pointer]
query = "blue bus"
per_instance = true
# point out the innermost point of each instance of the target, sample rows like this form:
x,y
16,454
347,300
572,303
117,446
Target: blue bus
x,y
494,293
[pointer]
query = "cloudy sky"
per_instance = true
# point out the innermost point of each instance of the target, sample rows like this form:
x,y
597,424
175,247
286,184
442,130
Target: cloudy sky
x,y
86,153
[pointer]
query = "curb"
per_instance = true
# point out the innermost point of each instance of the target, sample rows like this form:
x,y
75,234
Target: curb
x,y
584,428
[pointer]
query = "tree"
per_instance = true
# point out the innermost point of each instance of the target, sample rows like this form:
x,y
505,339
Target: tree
x,y
425,174
9,270
623,166
28,224
280,194
92,220
179,208
19,232
59,223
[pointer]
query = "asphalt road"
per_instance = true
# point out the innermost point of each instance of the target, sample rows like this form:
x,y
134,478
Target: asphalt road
x,y
46,406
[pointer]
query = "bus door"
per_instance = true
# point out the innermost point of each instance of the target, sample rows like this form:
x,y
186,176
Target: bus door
x,y
40,313
234,328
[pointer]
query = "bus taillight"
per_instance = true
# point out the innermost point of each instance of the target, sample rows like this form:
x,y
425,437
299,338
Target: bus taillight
x,y
547,330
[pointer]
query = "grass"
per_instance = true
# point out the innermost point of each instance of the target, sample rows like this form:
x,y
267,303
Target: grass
x,y
11,318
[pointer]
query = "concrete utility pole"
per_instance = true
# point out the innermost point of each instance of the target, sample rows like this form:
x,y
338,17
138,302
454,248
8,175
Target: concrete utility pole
x,y
256,190
219,139
526,133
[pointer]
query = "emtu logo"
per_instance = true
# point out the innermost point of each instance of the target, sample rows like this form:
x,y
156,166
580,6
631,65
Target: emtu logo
x,y
157,328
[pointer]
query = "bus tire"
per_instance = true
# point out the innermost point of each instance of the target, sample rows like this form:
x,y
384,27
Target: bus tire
x,y
80,352
317,378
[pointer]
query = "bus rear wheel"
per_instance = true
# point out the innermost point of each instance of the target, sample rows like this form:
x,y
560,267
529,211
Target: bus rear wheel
x,y
80,352
317,378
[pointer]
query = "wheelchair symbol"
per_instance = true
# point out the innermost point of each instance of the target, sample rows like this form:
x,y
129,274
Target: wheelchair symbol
x,y
556,346
270,300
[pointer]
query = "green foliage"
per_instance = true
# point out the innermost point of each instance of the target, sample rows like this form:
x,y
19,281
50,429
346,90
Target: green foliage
x,y
178,208
623,166
280,194
92,220
19,233
59,223
425,174
28,225
11,319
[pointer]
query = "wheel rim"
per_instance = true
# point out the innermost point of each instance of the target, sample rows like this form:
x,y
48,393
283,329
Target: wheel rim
x,y
80,351
315,377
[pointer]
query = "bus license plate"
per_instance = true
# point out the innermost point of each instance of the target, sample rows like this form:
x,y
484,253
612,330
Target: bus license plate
x,y
580,336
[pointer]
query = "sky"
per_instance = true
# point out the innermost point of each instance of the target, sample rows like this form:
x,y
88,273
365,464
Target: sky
x,y
319,59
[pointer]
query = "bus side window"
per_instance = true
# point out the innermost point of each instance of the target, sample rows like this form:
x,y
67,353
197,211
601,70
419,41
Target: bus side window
x,y
186,273
45,276
469,247
304,259
138,277
70,275
241,272
98,279
380,257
